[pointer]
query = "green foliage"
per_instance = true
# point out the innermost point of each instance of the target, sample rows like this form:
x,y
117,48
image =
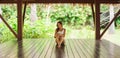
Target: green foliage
x,y
38,29
9,11
104,7
73,16
5,33
118,22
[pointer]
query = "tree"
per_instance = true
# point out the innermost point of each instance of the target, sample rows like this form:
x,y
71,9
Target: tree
x,y
33,15
48,8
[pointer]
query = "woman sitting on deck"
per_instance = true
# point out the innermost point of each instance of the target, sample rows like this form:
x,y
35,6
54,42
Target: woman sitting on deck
x,y
59,34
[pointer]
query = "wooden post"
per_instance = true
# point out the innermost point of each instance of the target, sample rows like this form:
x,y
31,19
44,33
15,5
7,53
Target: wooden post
x,y
0,13
93,13
20,53
97,20
24,12
19,21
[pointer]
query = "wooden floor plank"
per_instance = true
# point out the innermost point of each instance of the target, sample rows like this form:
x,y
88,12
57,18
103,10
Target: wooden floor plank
x,y
9,50
95,48
103,52
77,48
70,52
46,48
112,49
66,51
20,46
83,49
6,46
28,49
49,51
34,48
89,46
41,48
37,48
58,52
53,50
75,51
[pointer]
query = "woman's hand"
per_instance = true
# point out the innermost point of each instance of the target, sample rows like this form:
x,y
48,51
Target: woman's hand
x,y
56,36
61,35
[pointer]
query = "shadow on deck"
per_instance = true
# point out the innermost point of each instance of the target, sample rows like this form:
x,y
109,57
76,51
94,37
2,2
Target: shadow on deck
x,y
46,48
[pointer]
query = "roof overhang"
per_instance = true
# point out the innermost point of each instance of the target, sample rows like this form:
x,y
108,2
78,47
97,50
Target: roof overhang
x,y
61,1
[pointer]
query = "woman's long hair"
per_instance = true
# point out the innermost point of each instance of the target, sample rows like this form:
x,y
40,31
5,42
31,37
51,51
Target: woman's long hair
x,y
57,25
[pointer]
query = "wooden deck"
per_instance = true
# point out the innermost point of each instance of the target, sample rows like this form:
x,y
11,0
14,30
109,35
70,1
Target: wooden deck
x,y
46,48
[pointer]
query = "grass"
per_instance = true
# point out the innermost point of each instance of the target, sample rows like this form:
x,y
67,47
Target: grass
x,y
83,33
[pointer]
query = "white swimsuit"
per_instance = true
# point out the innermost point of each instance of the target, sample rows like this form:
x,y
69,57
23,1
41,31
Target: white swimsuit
x,y
61,32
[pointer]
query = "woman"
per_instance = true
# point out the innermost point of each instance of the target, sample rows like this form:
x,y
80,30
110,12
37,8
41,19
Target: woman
x,y
59,34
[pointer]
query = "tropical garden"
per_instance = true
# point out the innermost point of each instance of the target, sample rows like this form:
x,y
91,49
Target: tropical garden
x,y
40,21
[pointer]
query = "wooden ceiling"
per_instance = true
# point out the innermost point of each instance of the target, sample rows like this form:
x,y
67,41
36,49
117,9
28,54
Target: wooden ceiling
x,y
61,1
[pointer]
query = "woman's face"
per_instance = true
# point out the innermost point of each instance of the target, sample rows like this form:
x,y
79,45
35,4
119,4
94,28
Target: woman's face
x,y
59,25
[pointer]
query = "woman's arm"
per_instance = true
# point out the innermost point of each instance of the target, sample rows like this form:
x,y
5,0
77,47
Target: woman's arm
x,y
64,33
55,33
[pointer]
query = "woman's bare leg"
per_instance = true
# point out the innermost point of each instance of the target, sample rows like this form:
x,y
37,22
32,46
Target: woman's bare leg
x,y
60,41
63,43
57,39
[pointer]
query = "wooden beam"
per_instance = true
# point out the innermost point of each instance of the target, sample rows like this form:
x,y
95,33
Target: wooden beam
x,y
19,21
25,5
8,26
97,20
49,1
110,1
93,13
60,1
110,23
